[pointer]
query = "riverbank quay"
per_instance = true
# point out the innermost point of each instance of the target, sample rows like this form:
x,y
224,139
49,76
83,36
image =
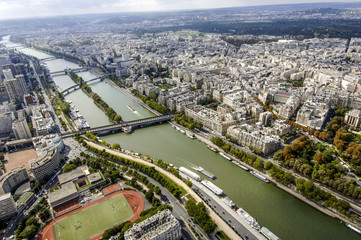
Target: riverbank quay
x,y
205,138
220,223
229,215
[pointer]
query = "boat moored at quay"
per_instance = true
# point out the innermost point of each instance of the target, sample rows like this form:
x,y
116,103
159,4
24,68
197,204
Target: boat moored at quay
x,y
225,156
191,136
229,202
353,228
268,234
260,177
189,173
216,190
206,173
251,221
240,165
212,148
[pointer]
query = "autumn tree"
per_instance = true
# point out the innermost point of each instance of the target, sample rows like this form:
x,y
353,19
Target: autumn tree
x,y
319,157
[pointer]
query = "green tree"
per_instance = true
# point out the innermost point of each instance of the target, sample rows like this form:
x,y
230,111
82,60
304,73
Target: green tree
x,y
116,146
69,167
153,96
117,118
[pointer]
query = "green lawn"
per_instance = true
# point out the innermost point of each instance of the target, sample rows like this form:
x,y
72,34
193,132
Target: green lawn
x,y
93,220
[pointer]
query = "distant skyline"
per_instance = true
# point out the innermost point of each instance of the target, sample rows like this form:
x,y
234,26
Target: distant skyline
x,y
13,9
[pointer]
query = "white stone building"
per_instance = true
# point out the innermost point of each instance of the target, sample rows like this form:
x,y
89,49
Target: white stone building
x,y
162,226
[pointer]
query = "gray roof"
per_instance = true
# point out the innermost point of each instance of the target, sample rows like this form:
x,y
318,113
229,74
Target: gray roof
x,y
5,123
5,196
65,191
70,176
94,177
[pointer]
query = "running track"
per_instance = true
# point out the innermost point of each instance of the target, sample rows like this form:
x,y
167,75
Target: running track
x,y
134,199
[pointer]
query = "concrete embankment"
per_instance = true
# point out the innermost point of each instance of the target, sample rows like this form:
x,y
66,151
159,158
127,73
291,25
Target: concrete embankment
x,y
328,211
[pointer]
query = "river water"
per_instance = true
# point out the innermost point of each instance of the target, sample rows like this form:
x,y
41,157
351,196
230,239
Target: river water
x,y
285,215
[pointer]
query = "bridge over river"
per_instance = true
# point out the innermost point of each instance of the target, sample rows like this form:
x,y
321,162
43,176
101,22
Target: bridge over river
x,y
77,86
66,71
103,130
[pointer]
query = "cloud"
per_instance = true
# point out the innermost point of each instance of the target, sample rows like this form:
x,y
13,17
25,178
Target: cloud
x,y
41,8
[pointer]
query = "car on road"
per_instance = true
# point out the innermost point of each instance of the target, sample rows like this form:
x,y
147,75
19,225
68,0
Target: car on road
x,y
223,212
245,238
229,220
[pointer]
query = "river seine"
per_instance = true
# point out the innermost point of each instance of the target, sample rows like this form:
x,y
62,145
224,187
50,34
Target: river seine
x,y
285,215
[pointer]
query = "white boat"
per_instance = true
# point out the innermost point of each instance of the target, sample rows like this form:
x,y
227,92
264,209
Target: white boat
x,y
189,173
131,108
240,165
216,190
190,136
260,177
353,228
268,234
225,156
252,221
205,172
229,202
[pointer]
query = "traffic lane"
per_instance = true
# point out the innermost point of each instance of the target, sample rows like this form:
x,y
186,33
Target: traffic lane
x,y
185,233
228,218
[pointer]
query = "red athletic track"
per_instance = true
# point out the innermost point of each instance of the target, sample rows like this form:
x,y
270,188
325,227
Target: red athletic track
x,y
134,199
110,189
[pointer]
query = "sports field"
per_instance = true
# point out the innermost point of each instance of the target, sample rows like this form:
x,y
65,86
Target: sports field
x,y
93,220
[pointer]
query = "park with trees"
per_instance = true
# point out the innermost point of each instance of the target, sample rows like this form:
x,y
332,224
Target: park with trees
x,y
150,101
306,149
186,121
199,213
319,163
37,217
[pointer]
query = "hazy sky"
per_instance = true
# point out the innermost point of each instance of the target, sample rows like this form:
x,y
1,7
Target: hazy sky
x,y
10,9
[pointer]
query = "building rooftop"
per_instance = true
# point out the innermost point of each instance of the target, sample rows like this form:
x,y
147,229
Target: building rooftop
x,y
5,196
65,190
94,177
70,176
24,198
43,158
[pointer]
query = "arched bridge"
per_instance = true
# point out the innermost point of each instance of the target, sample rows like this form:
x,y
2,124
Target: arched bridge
x,y
118,127
75,87
66,71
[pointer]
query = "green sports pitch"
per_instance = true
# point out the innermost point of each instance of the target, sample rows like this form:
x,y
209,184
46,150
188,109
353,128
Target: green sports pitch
x,y
93,220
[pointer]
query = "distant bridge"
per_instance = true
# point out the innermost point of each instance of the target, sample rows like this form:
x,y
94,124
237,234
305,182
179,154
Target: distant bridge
x,y
120,126
48,59
66,71
77,86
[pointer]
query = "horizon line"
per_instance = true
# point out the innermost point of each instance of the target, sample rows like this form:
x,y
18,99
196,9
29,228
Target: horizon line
x,y
173,10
